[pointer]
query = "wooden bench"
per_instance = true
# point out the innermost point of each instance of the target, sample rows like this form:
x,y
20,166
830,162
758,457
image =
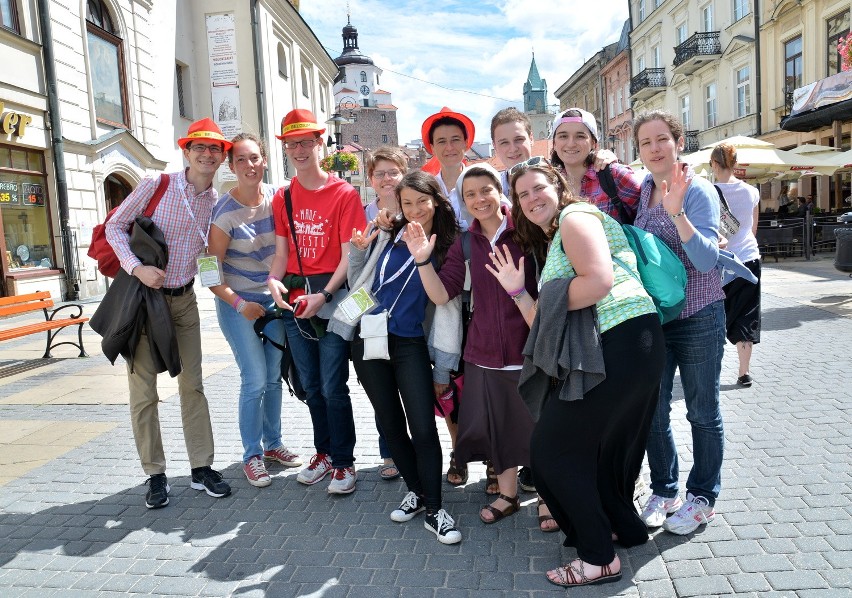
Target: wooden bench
x,y
41,300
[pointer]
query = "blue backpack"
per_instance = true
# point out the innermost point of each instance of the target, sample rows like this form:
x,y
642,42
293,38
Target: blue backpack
x,y
660,270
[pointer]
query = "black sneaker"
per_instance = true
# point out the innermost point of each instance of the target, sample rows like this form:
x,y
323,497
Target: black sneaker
x,y
408,508
158,491
442,525
744,380
205,478
525,479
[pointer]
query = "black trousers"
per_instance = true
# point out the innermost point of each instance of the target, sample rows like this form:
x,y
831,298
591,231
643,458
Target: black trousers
x,y
403,397
587,454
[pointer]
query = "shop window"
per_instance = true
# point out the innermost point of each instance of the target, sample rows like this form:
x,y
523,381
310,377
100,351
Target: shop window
x,y
106,64
9,15
24,216
837,26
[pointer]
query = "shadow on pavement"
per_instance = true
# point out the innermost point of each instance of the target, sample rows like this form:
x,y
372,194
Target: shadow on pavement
x,y
786,318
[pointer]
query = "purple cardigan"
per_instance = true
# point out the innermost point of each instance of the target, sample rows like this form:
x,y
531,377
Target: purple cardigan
x,y
497,331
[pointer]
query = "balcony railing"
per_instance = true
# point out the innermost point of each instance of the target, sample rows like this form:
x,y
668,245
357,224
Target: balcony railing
x,y
691,139
700,44
647,80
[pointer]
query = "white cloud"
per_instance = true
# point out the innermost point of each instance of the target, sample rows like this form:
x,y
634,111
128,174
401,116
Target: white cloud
x,y
482,47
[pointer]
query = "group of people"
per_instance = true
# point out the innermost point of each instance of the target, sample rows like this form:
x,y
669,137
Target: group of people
x,y
521,284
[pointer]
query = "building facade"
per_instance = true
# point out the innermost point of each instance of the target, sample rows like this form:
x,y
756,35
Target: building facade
x,y
617,134
125,90
535,103
584,88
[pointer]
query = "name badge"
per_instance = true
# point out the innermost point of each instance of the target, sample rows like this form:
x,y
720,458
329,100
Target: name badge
x,y
357,303
209,271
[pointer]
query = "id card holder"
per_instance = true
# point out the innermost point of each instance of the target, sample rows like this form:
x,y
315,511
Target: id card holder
x,y
209,270
358,302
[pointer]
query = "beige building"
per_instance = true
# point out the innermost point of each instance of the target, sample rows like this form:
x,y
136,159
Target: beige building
x,y
130,77
696,60
801,64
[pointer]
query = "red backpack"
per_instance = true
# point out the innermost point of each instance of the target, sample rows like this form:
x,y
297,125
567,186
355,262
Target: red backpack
x,y
102,251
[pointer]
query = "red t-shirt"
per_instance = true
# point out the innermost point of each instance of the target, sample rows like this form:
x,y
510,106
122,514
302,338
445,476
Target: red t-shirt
x,y
324,219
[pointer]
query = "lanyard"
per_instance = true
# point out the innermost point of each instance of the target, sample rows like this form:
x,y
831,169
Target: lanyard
x,y
398,273
192,215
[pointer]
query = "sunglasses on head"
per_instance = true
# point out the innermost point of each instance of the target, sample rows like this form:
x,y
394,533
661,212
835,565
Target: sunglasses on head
x,y
535,160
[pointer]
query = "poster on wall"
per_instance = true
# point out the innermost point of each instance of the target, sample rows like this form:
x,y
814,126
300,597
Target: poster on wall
x,y
8,193
224,79
32,194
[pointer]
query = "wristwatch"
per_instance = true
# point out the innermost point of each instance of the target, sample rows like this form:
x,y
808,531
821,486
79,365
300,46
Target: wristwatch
x,y
328,296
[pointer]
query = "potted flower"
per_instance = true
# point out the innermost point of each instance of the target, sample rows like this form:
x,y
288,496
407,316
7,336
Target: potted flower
x,y
339,161
844,47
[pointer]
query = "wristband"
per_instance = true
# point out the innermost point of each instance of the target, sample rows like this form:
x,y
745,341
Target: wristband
x,y
517,298
241,306
428,260
270,277
516,293
328,296
678,215
236,301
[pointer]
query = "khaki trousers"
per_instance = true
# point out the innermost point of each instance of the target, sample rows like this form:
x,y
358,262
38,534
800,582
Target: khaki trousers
x,y
195,414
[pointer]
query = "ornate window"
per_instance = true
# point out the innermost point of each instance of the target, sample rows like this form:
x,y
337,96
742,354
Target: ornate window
x,y
106,62
363,76
793,64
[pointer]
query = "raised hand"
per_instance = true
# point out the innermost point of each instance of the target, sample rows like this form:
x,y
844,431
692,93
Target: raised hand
x,y
359,241
674,190
604,157
511,278
419,245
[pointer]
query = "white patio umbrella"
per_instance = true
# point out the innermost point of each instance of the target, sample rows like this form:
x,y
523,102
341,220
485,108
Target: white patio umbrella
x,y
760,160
842,161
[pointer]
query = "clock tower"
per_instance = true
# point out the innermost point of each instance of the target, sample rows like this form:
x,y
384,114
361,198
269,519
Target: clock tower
x,y
359,97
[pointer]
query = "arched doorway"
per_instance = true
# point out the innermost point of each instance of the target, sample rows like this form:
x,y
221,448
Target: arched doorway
x,y
115,190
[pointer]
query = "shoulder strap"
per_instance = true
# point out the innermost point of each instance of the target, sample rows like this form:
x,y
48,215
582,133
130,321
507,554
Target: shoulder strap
x,y
722,199
288,205
158,195
607,182
465,239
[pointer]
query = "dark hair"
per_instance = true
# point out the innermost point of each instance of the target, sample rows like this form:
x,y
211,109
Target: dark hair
x,y
247,137
674,125
510,115
444,225
557,161
447,121
529,236
725,155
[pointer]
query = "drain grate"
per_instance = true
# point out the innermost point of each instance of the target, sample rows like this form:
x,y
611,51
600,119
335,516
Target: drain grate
x,y
11,367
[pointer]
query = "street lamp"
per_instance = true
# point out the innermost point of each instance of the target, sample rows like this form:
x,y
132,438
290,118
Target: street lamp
x,y
336,123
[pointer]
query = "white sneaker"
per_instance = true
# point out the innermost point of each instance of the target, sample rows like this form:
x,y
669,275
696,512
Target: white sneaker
x,y
342,481
442,525
317,469
408,508
658,508
695,512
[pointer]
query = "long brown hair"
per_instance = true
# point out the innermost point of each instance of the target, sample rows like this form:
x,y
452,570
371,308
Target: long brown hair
x,y
531,237
444,224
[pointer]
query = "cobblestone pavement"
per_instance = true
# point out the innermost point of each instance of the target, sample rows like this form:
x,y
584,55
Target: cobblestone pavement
x,y
73,522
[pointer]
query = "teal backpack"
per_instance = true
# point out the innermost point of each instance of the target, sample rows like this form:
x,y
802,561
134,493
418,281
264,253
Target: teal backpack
x,y
660,270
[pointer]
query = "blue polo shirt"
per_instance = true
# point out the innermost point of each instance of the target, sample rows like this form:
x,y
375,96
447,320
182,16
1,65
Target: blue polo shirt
x,y
392,272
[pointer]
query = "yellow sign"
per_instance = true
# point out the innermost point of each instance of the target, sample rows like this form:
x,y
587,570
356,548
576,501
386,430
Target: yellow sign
x,y
13,122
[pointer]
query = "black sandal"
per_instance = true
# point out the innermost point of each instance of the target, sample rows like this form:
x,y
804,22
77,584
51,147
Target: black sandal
x,y
542,519
455,470
514,507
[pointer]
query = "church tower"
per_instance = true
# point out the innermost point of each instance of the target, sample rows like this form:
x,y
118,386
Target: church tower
x,y
535,103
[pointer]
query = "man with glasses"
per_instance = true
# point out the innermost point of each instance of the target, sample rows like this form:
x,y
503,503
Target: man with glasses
x,y
183,216
323,211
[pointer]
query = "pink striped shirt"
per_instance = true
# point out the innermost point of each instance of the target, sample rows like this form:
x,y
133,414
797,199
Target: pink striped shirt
x,y
185,233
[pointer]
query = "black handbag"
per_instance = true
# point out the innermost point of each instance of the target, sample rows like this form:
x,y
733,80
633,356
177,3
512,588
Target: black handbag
x,y
289,373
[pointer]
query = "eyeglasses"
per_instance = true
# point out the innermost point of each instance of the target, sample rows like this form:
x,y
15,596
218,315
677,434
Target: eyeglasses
x,y
305,143
214,150
534,161
380,174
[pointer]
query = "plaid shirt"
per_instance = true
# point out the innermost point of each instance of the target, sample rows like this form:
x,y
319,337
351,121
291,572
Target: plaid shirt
x,y
186,235
628,185
702,288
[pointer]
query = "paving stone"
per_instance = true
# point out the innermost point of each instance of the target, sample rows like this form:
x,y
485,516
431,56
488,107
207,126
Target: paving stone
x,y
697,586
795,580
749,582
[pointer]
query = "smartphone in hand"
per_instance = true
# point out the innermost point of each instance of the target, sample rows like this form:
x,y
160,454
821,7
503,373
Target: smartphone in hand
x,y
299,307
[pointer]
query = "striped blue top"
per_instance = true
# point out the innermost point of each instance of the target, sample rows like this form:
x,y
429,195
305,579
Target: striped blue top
x,y
252,247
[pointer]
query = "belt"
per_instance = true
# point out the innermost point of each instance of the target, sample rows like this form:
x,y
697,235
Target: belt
x,y
179,290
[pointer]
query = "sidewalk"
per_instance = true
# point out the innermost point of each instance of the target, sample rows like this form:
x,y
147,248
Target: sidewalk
x,y
73,522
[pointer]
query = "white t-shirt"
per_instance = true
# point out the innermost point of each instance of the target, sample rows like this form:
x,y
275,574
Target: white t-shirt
x,y
742,199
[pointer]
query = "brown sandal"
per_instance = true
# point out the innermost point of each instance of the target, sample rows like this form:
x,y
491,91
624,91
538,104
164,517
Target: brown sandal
x,y
455,470
514,506
542,519
570,576
491,485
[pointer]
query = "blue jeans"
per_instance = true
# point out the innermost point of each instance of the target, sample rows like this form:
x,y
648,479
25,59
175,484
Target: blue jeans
x,y
260,379
323,367
694,345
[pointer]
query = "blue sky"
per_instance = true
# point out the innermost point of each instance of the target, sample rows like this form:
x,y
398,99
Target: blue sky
x,y
462,47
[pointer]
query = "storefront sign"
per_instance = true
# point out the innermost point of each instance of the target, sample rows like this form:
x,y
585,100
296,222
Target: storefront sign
x,y
13,122
224,79
8,193
33,194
